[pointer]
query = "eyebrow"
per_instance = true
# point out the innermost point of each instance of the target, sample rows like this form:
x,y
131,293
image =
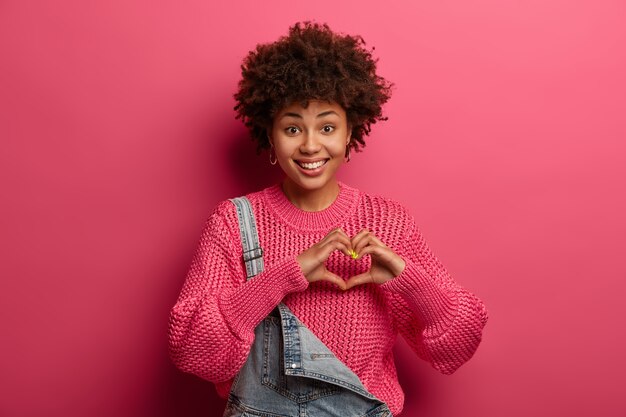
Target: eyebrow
x,y
326,113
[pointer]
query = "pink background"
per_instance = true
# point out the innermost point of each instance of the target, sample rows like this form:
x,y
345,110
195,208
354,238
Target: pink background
x,y
506,139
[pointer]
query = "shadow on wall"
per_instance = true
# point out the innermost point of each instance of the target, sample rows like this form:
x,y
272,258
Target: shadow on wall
x,y
190,396
251,172
187,395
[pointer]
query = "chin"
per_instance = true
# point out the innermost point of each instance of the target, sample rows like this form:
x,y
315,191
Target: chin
x,y
309,184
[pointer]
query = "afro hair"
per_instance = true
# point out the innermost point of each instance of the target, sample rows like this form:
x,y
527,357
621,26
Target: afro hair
x,y
311,62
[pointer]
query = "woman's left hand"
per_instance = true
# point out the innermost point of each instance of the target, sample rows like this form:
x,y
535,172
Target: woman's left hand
x,y
386,264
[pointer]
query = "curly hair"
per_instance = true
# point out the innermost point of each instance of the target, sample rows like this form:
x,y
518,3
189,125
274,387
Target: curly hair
x,y
312,62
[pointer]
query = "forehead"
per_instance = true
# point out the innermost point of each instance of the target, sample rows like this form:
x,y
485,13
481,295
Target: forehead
x,y
314,107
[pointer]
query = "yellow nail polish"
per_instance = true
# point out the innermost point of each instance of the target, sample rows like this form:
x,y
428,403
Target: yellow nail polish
x,y
353,254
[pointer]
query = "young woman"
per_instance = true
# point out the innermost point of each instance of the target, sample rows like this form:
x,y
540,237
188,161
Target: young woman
x,y
352,268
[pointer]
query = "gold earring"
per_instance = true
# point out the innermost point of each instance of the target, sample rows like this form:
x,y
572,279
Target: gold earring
x,y
271,149
275,159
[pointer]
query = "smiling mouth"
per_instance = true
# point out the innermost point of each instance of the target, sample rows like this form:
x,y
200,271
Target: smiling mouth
x,y
311,165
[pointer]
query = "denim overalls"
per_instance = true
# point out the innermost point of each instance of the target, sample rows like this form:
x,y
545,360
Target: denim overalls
x,y
289,371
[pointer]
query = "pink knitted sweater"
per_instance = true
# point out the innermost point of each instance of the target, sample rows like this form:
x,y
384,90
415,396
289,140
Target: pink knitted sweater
x,y
211,327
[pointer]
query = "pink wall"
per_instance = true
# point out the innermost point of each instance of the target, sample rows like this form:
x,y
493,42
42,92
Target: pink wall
x,y
506,139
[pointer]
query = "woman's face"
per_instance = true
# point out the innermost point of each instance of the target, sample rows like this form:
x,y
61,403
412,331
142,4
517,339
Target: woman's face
x,y
310,143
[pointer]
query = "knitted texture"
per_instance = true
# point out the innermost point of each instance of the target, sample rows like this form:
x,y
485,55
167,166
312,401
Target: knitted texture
x,y
211,326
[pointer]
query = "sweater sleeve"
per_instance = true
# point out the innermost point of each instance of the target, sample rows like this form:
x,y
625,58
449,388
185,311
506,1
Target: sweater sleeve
x,y
211,326
439,319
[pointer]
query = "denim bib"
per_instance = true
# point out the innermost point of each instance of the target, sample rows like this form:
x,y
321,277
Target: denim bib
x,y
289,372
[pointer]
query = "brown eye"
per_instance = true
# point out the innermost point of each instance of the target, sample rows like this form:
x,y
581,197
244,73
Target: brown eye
x,y
292,130
328,128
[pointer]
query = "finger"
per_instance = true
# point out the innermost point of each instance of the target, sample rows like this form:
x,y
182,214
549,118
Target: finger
x,y
335,279
328,248
341,232
360,279
377,240
343,238
367,239
335,231
376,250
387,258
365,242
357,238
329,235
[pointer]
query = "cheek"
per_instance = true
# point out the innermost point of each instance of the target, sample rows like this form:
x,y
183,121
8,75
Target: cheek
x,y
283,151
339,148
280,153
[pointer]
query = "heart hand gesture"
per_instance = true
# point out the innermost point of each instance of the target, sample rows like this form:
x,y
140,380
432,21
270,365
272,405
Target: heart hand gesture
x,y
385,263
312,260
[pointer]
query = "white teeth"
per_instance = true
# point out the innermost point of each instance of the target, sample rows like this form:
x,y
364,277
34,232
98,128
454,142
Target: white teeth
x,y
312,165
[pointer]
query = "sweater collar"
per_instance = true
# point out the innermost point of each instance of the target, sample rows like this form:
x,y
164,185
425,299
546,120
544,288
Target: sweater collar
x,y
323,220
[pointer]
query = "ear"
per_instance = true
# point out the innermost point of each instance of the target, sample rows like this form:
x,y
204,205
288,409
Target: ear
x,y
269,136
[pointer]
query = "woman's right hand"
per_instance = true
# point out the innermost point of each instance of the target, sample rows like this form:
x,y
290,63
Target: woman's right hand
x,y
312,261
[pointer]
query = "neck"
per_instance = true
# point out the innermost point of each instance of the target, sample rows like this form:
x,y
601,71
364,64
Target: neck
x,y
311,200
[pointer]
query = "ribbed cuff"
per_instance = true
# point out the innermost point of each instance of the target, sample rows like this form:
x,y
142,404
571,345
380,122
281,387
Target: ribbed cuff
x,y
245,306
432,304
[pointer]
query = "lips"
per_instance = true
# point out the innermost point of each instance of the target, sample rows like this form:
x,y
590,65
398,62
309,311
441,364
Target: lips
x,y
311,168
312,164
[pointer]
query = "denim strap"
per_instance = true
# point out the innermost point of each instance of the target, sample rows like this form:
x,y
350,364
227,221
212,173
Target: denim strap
x,y
252,251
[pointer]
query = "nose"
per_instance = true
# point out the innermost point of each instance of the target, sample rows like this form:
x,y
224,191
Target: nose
x,y
310,143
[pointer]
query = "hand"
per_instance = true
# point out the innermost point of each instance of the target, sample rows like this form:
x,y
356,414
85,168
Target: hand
x,y
312,261
385,265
